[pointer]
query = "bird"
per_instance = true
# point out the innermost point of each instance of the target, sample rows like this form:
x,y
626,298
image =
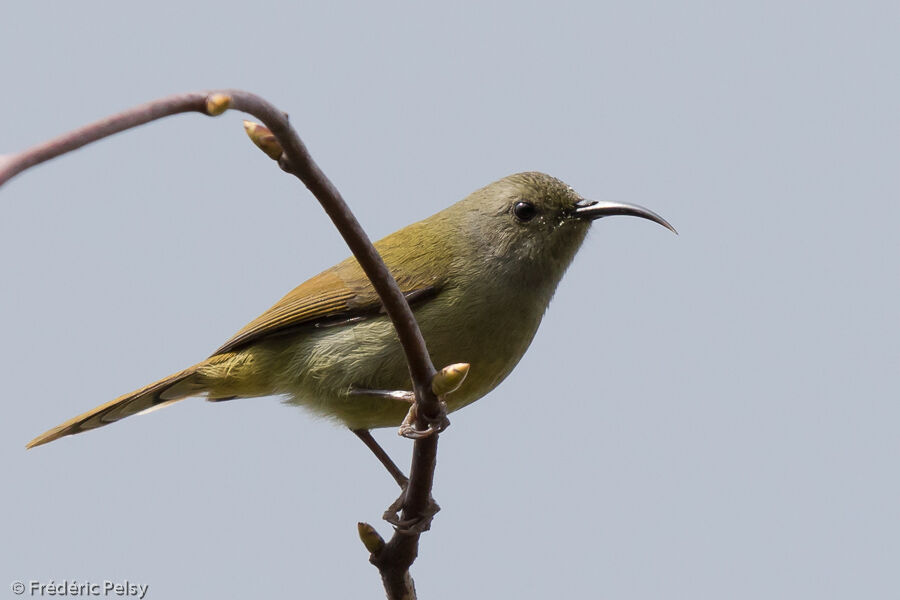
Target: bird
x,y
478,275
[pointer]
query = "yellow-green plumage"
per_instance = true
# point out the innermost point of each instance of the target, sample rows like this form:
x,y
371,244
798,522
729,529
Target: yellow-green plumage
x,y
478,278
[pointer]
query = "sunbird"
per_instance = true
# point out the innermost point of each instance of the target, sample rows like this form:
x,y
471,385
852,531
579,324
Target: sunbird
x,y
478,276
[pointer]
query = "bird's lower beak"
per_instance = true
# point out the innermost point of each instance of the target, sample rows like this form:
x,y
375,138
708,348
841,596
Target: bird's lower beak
x,y
593,209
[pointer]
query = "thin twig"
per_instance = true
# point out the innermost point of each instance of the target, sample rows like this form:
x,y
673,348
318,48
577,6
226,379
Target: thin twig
x,y
394,560
133,117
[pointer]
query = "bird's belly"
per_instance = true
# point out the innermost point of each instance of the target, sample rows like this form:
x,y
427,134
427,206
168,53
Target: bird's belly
x,y
327,365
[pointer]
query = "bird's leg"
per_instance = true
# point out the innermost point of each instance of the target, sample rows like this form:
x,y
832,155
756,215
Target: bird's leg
x,y
450,378
383,457
408,427
401,395
392,514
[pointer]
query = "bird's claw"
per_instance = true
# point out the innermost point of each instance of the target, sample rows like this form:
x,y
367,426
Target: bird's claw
x,y
418,524
408,428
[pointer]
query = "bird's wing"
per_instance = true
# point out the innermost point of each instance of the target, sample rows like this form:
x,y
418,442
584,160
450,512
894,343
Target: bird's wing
x,y
340,295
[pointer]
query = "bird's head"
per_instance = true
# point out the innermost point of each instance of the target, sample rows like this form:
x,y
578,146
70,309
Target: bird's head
x,y
534,223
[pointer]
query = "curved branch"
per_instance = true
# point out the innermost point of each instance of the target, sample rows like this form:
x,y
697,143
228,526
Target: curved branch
x,y
128,119
300,163
394,558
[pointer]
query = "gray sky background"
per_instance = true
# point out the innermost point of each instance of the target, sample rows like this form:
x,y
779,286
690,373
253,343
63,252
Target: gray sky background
x,y
712,415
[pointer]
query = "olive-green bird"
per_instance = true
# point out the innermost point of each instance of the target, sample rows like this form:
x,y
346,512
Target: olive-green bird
x,y
478,275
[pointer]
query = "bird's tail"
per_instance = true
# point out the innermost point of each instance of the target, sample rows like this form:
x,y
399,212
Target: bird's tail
x,y
183,384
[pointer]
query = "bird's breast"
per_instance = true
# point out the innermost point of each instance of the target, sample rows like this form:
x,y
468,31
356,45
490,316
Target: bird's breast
x,y
486,327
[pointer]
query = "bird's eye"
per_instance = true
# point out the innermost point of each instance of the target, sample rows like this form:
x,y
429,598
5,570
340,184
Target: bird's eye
x,y
524,211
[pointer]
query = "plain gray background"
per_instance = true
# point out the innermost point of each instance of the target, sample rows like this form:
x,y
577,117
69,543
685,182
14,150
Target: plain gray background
x,y
713,415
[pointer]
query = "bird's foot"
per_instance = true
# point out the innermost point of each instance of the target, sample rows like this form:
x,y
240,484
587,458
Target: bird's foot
x,y
412,525
408,428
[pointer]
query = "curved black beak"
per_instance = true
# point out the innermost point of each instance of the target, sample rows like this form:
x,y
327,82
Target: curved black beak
x,y
593,209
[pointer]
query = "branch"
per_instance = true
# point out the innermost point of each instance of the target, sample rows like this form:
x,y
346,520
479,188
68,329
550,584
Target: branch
x,y
133,117
393,558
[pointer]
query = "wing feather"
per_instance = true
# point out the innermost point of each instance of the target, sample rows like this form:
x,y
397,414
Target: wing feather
x,y
342,293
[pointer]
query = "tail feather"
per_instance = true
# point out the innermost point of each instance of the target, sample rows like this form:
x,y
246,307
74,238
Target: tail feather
x,y
156,395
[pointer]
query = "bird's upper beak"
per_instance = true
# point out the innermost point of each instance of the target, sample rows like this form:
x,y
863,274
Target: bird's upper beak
x,y
594,209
